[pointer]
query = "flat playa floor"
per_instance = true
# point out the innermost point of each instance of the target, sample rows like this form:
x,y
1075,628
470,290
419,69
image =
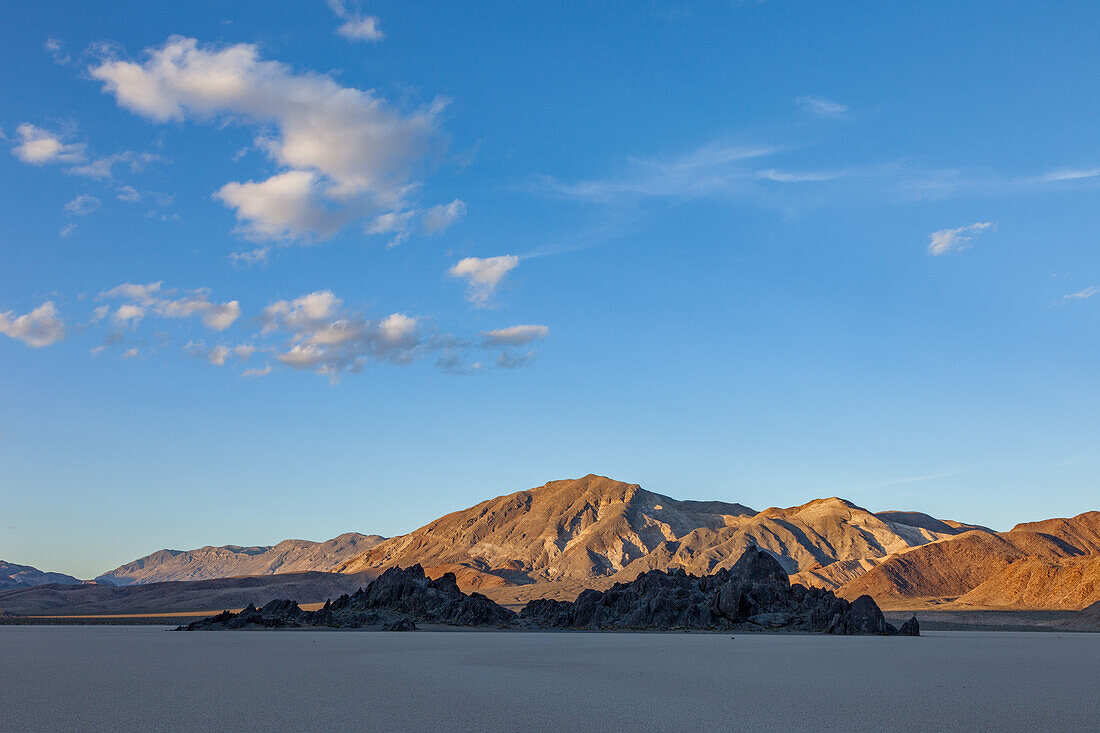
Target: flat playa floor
x,y
93,678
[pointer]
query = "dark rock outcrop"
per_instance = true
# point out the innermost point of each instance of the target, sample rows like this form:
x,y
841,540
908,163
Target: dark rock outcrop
x,y
910,628
395,601
753,594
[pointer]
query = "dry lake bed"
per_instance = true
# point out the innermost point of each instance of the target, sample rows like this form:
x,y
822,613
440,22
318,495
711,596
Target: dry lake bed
x,y
148,679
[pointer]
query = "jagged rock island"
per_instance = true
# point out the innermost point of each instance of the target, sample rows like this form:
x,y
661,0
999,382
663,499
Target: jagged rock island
x,y
753,595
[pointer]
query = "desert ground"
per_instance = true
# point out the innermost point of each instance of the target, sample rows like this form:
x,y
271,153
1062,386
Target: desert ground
x,y
147,678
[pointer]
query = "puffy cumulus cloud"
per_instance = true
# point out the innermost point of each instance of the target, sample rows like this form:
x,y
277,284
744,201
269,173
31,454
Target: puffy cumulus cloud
x,y
152,298
37,146
356,26
40,327
285,206
951,240
259,372
328,339
128,314
483,275
348,153
219,354
143,293
515,335
440,218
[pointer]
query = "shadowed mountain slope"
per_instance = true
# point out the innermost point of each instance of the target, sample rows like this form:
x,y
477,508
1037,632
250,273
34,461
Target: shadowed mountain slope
x,y
1046,564
24,576
205,563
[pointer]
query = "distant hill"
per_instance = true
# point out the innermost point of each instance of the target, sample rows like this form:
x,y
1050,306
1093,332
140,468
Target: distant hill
x,y
205,563
1054,563
178,596
24,576
1087,619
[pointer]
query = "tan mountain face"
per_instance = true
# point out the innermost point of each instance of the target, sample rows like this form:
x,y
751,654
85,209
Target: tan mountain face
x,y
596,528
289,556
590,527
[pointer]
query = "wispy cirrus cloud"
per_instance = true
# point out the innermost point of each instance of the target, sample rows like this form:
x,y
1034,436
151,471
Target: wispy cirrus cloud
x,y
515,335
1084,294
954,240
822,107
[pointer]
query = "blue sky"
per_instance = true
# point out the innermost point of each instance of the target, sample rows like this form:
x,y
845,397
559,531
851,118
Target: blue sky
x,y
302,268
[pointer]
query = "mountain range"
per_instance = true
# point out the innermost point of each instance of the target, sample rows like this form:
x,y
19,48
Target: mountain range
x,y
205,563
557,539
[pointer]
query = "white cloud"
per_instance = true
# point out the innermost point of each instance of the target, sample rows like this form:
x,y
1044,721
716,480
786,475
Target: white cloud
x,y
263,372
509,360
712,170
82,205
38,146
41,327
66,230
56,49
285,206
440,218
394,222
1066,174
128,314
324,337
252,257
151,298
128,194
244,352
951,240
102,167
823,107
143,293
220,316
130,353
1081,294
216,355
344,146
515,335
356,27
220,354
483,275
